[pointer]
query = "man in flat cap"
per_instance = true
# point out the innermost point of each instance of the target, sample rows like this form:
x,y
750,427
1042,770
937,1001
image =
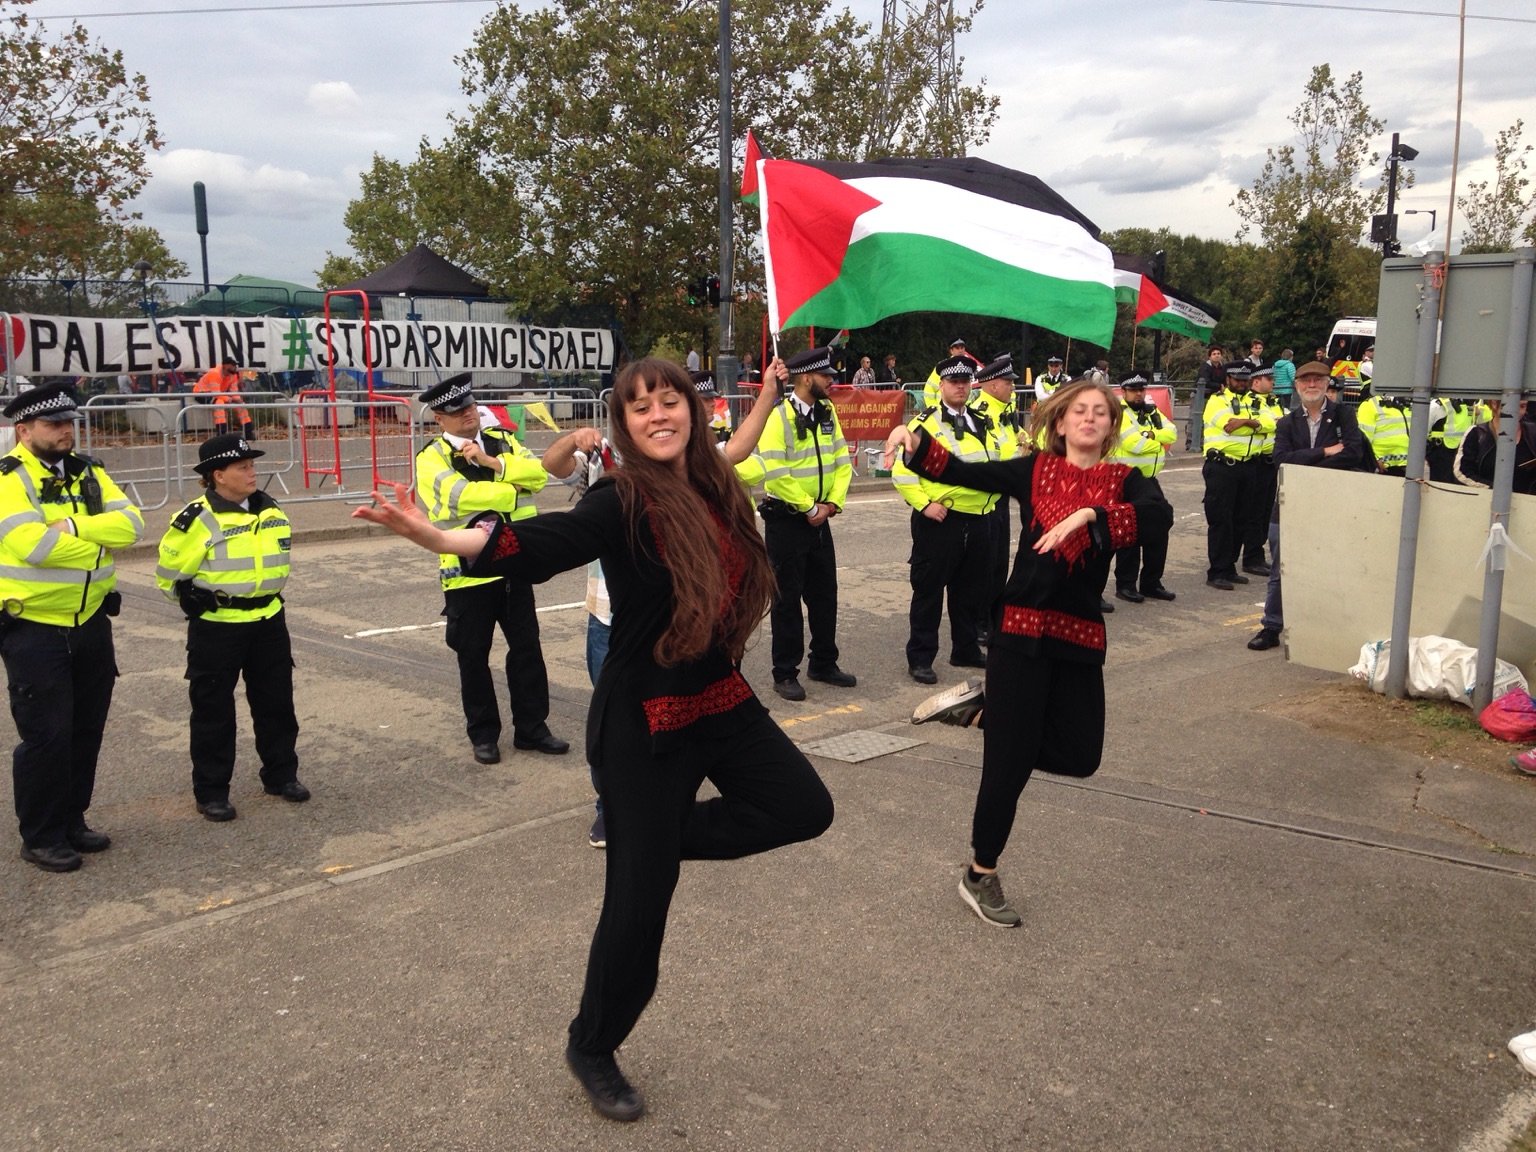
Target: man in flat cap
x,y
62,518
951,536
225,560
464,471
806,484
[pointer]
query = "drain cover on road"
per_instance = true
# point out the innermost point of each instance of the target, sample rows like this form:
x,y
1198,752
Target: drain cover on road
x,y
856,747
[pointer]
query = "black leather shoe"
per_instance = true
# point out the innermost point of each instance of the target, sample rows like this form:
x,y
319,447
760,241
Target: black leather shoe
x,y
1236,579
87,839
293,791
53,857
983,637
923,674
1256,569
1264,640
610,1093
834,676
1157,593
217,810
790,689
1128,594
976,661
487,754
1105,606
547,743
1220,582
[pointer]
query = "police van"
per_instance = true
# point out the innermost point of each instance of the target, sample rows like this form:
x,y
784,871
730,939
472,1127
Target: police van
x,y
1347,343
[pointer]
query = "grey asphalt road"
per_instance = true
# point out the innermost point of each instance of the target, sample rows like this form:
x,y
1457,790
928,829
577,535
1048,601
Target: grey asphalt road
x,y
1242,933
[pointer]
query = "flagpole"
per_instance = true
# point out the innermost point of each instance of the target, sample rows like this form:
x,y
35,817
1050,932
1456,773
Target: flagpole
x,y
726,362
763,200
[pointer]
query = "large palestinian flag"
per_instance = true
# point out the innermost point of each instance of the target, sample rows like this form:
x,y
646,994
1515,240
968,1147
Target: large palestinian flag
x,y
846,245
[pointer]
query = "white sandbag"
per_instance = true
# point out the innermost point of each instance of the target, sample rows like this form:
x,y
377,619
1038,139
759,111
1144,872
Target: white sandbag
x,y
1439,668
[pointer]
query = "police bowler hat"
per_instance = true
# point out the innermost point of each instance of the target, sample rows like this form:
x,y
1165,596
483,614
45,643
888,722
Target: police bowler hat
x,y
221,451
53,402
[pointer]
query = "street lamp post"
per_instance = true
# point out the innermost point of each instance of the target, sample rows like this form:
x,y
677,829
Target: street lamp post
x,y
1388,232
1430,212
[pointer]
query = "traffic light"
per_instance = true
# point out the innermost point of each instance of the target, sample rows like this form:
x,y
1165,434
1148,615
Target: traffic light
x,y
712,291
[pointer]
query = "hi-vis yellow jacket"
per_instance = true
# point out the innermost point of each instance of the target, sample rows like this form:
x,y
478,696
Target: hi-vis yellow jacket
x,y
230,551
453,491
1008,423
49,576
806,460
920,492
1144,440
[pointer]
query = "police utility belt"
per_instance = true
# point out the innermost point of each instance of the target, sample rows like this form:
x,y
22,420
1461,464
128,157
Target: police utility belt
x,y
775,509
1222,458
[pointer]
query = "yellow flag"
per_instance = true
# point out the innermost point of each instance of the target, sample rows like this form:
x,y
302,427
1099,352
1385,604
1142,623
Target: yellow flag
x,y
540,413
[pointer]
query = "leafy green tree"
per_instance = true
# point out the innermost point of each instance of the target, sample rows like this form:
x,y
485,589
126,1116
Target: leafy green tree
x,y
1321,176
585,172
1499,211
75,136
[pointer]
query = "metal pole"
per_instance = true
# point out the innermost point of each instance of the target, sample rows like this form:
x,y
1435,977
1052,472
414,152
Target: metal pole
x,y
1503,474
1388,241
1413,491
725,362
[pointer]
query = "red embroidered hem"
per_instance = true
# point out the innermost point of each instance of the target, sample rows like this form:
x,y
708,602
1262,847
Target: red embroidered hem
x,y
669,713
506,545
932,465
1021,621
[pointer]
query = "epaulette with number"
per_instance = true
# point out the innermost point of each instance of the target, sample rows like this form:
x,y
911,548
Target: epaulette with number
x,y
9,464
88,461
187,516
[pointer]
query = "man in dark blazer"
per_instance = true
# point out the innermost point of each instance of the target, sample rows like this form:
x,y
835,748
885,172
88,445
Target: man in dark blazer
x,y
1318,433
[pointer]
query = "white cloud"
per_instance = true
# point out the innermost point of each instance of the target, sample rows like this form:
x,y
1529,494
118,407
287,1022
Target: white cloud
x,y
334,98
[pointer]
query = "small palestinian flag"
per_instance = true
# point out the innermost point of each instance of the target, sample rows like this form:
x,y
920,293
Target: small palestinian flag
x,y
846,245
1174,311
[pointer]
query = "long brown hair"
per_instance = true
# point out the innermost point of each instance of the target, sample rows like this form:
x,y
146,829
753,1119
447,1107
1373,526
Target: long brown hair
x,y
682,512
1056,405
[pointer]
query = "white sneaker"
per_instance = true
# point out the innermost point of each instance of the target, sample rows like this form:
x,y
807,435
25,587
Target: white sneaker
x,y
1524,1048
957,705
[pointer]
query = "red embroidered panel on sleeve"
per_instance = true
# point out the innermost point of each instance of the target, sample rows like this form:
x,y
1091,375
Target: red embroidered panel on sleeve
x,y
1021,621
505,545
935,460
669,713
1122,525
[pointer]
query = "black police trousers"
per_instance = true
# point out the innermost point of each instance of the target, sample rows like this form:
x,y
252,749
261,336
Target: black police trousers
x,y
1228,497
804,561
952,555
219,655
1142,565
61,682
474,613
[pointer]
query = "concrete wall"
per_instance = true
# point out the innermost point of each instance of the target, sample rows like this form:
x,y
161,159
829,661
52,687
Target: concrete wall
x,y
1339,543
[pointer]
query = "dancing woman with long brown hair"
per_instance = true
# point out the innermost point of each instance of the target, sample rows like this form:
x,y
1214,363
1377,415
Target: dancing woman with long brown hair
x,y
689,582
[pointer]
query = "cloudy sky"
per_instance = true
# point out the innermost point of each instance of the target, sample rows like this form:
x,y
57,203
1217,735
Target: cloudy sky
x,y
1143,115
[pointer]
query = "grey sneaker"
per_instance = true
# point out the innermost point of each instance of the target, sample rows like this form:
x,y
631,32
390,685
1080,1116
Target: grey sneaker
x,y
958,705
986,899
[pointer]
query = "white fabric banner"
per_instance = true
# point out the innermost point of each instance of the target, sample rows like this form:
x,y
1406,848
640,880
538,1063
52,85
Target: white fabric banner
x,y
90,346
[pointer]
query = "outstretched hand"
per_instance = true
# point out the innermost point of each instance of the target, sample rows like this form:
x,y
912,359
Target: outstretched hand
x,y
401,515
902,438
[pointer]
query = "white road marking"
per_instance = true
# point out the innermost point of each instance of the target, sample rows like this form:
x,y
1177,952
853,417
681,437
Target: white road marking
x,y
367,632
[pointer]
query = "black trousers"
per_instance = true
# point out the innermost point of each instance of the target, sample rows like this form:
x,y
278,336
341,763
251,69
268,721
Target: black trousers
x,y
1259,507
1041,713
474,613
1228,492
60,682
219,655
804,562
769,796
1149,559
953,556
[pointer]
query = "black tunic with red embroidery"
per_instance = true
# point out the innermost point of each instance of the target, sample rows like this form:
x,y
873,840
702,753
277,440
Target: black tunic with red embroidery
x,y
638,706
1050,605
